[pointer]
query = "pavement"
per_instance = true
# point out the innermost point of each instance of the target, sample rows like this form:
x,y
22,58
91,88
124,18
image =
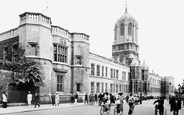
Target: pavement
x,y
19,109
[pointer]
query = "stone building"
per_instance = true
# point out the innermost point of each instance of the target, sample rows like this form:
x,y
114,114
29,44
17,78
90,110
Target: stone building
x,y
154,84
167,86
69,66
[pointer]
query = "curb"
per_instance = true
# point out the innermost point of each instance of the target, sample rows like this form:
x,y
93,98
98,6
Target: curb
x,y
39,109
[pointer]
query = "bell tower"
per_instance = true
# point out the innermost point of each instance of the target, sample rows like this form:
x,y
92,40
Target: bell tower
x,y
125,46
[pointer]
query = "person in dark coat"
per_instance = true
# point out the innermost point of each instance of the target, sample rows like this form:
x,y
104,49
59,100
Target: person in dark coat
x,y
72,98
175,105
86,99
53,98
160,102
37,100
96,98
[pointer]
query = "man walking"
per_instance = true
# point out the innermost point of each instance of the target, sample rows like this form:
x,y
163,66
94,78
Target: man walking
x,y
37,100
175,105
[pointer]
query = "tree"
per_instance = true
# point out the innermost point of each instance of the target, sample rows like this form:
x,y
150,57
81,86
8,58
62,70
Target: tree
x,y
25,71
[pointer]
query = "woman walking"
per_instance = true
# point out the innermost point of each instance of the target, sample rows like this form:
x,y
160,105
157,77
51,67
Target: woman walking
x,y
29,98
4,100
37,100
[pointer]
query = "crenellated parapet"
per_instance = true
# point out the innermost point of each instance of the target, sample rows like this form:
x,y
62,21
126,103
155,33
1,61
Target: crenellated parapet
x,y
80,37
34,18
9,34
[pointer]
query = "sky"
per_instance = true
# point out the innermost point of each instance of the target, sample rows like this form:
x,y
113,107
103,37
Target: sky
x,y
160,22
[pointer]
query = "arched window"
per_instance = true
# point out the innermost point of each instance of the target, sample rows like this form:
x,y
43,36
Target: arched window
x,y
129,29
122,29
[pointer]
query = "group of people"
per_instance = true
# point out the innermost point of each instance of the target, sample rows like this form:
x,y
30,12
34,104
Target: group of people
x,y
55,99
90,99
31,99
74,98
175,105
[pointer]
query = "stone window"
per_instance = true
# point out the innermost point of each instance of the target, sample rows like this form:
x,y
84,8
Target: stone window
x,y
130,29
102,87
33,48
120,88
102,71
105,87
92,87
122,29
5,53
78,59
116,88
15,52
106,71
97,87
117,74
98,70
60,53
92,69
60,83
111,73
78,87
111,88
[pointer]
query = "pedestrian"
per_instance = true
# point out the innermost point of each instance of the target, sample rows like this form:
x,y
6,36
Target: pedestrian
x,y
175,105
4,99
120,105
29,98
72,98
96,98
53,98
86,99
57,99
37,100
76,98
160,102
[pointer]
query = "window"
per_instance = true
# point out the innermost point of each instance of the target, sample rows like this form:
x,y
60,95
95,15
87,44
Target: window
x,y
114,74
122,29
102,87
116,88
78,59
59,83
111,87
106,71
15,52
33,49
117,72
129,29
102,71
97,87
120,88
98,70
5,53
111,73
60,53
92,87
105,87
92,69
78,87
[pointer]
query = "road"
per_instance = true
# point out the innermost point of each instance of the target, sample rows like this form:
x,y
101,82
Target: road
x,y
146,108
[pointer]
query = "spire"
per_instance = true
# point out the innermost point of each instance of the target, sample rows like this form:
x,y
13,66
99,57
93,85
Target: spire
x,y
125,6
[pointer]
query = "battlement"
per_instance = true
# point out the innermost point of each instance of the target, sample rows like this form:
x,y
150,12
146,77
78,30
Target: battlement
x,y
37,18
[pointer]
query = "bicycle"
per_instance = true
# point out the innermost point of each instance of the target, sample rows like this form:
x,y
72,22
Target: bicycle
x,y
131,109
116,111
156,108
104,109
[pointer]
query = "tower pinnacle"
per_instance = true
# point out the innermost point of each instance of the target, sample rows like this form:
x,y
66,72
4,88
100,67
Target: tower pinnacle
x,y
125,6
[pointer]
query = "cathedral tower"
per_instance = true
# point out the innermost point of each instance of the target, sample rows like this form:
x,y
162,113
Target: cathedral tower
x,y
125,46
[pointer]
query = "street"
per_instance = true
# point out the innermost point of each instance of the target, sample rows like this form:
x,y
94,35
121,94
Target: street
x,y
146,108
